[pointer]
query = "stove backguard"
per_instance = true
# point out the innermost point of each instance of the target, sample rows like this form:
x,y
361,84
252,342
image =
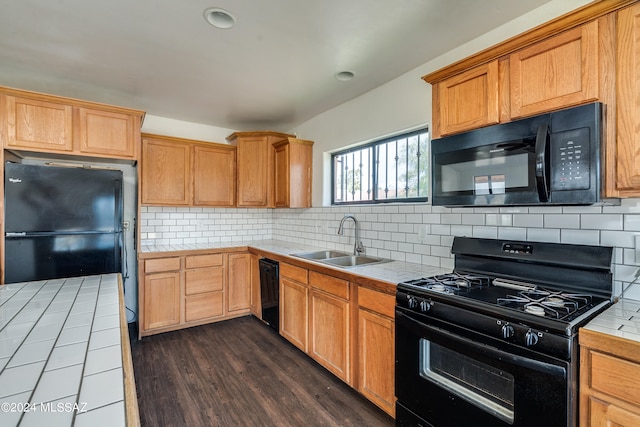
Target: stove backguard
x,y
575,268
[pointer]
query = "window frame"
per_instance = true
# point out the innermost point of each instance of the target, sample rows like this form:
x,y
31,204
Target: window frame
x,y
373,145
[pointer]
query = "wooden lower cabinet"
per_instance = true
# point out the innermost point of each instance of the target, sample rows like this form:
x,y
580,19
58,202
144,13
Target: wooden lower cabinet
x,y
376,348
348,329
609,387
294,298
192,289
329,333
239,270
161,300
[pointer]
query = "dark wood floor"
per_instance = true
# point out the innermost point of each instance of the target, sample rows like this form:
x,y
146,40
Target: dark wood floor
x,y
240,373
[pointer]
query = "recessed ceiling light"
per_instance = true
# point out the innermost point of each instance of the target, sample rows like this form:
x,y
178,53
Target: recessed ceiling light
x,y
219,18
344,76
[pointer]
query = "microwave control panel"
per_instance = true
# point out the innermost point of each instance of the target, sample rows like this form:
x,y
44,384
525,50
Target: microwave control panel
x,y
570,160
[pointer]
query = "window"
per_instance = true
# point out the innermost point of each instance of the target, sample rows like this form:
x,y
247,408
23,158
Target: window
x,y
391,170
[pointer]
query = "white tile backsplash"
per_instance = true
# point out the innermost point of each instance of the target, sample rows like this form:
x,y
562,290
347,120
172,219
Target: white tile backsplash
x,y
393,230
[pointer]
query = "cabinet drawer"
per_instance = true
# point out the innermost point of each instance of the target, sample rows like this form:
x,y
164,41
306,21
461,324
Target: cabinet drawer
x,y
298,274
199,261
332,285
379,302
203,306
161,264
203,280
615,377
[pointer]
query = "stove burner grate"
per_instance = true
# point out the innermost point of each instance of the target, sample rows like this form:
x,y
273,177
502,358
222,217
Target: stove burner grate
x,y
451,283
546,303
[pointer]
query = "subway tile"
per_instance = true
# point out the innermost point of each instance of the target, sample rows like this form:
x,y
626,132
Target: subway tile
x,y
472,219
601,222
562,221
512,233
621,239
580,237
485,232
550,235
499,220
582,209
452,218
528,220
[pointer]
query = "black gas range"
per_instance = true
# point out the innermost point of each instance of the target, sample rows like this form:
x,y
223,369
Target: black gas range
x,y
495,341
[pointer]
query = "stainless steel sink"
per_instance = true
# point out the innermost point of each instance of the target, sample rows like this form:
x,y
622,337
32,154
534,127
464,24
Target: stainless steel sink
x,y
354,260
321,255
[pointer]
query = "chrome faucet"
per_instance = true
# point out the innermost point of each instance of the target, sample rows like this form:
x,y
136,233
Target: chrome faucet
x,y
358,248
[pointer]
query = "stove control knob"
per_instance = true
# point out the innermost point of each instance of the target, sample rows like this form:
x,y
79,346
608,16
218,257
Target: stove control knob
x,y
507,331
531,338
412,302
425,306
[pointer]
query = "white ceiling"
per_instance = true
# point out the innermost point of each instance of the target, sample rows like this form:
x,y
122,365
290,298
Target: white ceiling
x,y
274,70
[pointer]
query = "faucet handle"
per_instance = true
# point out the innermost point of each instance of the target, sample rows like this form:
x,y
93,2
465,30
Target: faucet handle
x,y
360,248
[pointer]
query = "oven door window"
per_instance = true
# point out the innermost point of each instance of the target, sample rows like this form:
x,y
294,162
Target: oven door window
x,y
487,170
484,386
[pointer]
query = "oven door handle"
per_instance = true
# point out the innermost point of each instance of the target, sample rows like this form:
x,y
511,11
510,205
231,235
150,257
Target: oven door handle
x,y
514,359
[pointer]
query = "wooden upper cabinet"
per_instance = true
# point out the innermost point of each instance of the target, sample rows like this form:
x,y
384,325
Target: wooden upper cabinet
x,y
623,158
107,133
214,175
466,101
255,160
183,172
555,73
293,161
166,172
45,123
38,125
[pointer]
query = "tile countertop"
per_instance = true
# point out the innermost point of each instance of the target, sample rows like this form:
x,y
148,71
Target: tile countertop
x,y
391,272
621,320
61,353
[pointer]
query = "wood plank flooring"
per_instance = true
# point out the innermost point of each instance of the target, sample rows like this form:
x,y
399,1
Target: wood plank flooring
x,y
240,373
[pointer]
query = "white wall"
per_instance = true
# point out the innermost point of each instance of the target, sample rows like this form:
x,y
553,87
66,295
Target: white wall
x,y
402,104
180,129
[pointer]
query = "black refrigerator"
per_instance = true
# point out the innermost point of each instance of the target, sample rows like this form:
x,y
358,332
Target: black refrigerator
x,y
61,222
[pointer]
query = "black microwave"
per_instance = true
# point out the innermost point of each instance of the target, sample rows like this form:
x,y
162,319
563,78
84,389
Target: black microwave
x,y
549,159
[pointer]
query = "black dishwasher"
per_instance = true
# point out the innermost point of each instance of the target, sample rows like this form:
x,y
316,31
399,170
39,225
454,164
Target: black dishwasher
x,y
270,291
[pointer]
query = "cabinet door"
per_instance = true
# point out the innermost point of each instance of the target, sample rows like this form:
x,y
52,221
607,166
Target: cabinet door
x,y
255,164
555,73
239,282
282,181
161,300
376,359
293,161
627,153
166,173
604,414
40,125
329,333
214,174
293,312
107,133
467,101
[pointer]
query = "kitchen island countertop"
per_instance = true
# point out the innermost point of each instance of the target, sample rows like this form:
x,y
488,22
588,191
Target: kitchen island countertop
x,y
63,359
